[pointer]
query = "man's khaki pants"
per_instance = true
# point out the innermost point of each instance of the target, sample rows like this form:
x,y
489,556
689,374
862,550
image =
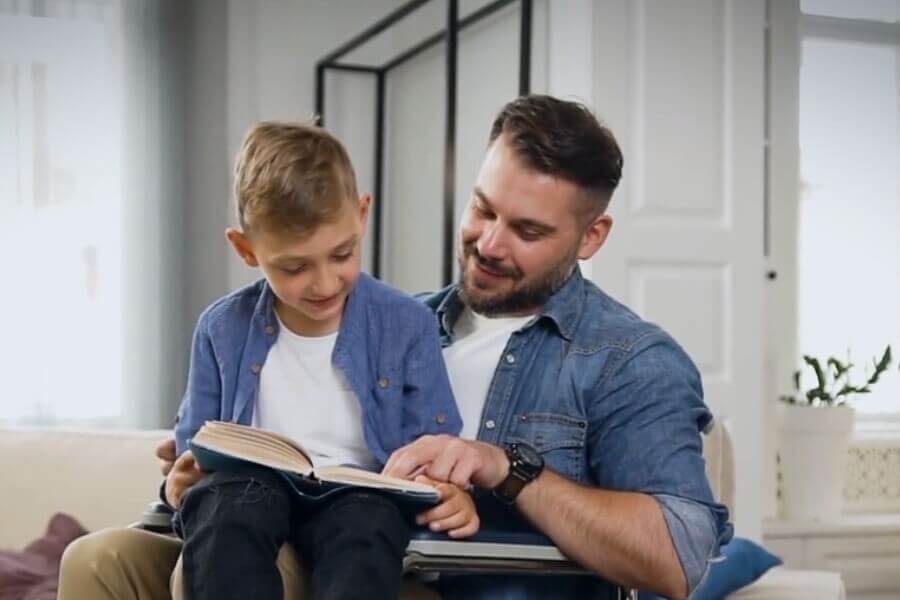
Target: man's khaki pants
x,y
133,564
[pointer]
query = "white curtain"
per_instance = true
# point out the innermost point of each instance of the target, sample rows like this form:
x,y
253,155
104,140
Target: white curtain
x,y
91,195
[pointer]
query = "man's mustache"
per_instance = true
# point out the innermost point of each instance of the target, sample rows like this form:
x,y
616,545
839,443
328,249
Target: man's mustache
x,y
488,264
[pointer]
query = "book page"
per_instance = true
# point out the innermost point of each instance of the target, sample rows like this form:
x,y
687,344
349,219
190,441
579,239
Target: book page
x,y
354,476
255,445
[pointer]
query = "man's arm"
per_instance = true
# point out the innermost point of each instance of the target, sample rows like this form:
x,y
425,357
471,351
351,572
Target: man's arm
x,y
619,535
622,536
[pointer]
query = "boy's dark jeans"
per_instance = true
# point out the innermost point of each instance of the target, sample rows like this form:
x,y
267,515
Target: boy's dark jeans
x,y
234,524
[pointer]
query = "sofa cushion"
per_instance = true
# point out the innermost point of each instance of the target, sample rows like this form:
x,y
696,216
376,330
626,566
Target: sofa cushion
x,y
745,562
103,479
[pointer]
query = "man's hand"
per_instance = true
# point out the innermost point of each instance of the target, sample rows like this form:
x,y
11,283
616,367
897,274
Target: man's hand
x,y
450,459
183,474
165,452
455,514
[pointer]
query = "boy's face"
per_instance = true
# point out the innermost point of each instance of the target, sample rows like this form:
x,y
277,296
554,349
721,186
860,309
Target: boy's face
x,y
310,276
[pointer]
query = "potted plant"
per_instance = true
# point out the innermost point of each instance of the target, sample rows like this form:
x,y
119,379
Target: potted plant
x,y
815,430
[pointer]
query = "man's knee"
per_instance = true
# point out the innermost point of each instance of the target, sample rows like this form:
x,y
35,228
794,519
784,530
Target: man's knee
x,y
113,563
92,553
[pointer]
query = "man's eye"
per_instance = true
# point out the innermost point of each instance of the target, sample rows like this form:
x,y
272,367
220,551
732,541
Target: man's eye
x,y
484,212
530,236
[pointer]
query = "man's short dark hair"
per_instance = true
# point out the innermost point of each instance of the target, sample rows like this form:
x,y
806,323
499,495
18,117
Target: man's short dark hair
x,y
563,139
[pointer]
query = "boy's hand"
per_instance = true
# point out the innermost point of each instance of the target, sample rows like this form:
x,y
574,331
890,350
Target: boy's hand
x,y
183,474
165,452
455,514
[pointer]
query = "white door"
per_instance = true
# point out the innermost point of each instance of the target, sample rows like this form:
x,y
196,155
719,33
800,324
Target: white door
x,y
682,86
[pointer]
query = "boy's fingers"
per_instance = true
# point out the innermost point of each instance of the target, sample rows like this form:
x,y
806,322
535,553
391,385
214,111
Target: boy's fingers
x,y
441,511
454,521
467,530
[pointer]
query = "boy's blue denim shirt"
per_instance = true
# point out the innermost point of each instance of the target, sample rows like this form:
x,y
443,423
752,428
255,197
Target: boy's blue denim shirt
x,y
387,348
610,401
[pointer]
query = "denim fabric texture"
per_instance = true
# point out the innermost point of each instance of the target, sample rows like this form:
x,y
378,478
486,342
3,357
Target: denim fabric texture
x,y
610,400
387,348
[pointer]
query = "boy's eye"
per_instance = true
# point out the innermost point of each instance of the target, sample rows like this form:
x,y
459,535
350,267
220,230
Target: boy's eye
x,y
344,256
293,270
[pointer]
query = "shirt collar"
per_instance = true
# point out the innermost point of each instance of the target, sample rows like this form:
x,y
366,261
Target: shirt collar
x,y
563,308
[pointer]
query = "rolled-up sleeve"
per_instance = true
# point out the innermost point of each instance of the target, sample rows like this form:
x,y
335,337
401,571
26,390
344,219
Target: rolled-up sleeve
x,y
695,534
645,436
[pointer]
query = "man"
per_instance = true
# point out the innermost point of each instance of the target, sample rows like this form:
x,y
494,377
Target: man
x,y
587,418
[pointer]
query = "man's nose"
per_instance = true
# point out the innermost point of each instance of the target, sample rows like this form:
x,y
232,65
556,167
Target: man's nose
x,y
491,243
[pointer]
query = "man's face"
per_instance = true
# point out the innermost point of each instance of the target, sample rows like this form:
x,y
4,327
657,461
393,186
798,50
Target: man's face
x,y
519,238
311,277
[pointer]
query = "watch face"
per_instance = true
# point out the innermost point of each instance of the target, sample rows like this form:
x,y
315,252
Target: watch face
x,y
530,456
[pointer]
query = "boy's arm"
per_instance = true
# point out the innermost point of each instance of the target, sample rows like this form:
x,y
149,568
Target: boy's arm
x,y
428,403
203,394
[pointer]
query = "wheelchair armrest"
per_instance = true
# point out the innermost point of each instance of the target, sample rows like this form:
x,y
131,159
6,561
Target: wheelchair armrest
x,y
157,517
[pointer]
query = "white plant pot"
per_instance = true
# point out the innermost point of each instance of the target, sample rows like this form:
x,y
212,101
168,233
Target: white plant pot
x,y
813,445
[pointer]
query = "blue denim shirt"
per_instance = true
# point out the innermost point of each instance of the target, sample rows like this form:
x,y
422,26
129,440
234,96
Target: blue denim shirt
x,y
387,348
610,401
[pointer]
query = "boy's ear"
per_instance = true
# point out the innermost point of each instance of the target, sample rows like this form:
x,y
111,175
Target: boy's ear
x,y
365,202
241,246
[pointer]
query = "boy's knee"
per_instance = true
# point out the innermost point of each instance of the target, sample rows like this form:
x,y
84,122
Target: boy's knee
x,y
366,513
228,502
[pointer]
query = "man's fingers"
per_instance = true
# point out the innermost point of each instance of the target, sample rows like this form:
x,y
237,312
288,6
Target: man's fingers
x,y
461,475
407,460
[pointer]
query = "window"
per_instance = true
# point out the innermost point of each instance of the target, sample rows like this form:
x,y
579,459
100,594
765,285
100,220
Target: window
x,y
61,308
849,213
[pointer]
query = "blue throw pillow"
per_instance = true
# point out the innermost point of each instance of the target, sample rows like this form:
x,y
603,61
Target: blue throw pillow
x,y
744,563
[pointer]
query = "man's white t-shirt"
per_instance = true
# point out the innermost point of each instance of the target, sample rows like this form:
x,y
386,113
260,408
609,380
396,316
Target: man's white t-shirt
x,y
472,359
305,397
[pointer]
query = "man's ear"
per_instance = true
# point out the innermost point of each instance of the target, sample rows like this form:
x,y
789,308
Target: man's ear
x,y
365,202
594,236
241,246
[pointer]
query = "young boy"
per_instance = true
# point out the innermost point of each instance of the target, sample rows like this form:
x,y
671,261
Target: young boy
x,y
324,354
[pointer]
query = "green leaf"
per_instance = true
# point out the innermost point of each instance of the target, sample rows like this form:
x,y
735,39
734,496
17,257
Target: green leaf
x,y
820,375
839,367
880,366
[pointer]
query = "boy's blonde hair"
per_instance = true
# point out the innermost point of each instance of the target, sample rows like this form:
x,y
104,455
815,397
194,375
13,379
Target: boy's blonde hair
x,y
290,178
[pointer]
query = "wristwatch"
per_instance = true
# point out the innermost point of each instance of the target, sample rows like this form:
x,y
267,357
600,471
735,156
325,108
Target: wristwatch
x,y
525,464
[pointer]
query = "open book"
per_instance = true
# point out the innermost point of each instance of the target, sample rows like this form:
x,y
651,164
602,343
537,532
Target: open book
x,y
223,446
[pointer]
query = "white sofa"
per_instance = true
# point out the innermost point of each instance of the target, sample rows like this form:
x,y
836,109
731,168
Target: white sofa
x,y
104,479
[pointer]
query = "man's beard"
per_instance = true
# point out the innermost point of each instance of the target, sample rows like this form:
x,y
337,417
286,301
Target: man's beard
x,y
527,298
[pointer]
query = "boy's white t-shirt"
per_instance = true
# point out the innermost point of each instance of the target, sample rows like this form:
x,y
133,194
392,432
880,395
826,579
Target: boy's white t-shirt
x,y
472,359
304,396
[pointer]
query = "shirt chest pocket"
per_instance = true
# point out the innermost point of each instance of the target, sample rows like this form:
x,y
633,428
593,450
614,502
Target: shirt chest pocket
x,y
559,438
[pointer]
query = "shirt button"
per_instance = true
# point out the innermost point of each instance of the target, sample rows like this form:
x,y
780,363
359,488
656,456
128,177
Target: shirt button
x,y
510,358
269,330
440,419
256,368
383,382
489,424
